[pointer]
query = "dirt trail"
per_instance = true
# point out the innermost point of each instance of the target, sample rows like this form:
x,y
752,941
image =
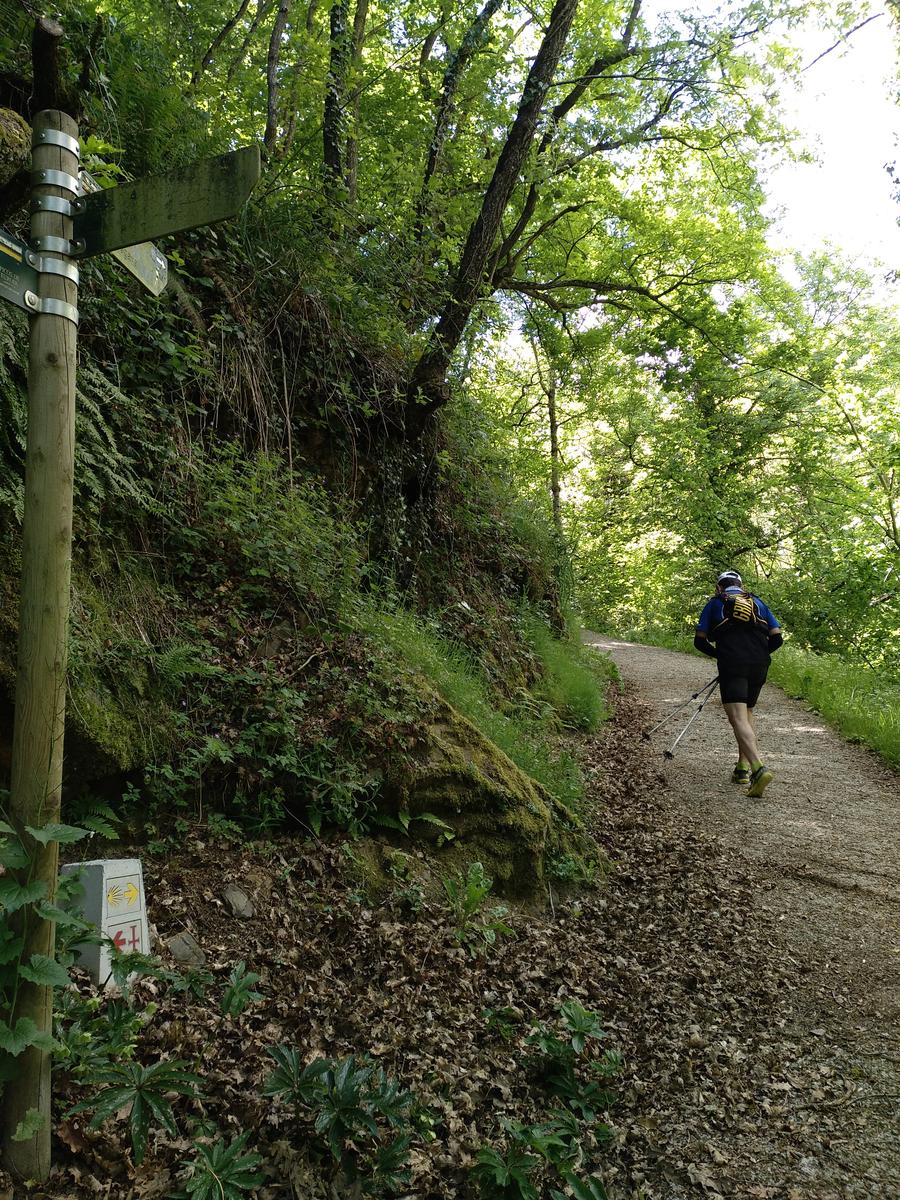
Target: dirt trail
x,y
822,851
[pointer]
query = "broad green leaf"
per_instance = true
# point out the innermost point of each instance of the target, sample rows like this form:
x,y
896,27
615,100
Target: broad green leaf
x,y
55,832
31,1123
13,855
19,1037
46,971
61,916
10,946
13,896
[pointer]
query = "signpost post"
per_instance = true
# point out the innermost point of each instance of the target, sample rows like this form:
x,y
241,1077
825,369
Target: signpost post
x,y
42,278
44,601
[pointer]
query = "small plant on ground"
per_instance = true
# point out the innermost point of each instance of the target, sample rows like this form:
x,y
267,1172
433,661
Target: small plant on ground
x,y
503,1021
561,1054
506,1176
90,1034
221,1171
362,1117
143,1094
476,926
239,991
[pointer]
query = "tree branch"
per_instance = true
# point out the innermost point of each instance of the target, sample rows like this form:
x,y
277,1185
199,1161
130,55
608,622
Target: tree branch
x,y
472,41
215,44
842,39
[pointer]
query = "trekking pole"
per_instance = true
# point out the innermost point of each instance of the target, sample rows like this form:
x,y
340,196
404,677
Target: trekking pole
x,y
648,733
670,753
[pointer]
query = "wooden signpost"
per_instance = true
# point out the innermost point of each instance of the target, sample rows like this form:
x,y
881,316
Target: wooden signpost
x,y
42,278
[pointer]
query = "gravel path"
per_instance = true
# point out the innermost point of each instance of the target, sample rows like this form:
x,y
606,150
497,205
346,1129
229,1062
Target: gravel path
x,y
822,851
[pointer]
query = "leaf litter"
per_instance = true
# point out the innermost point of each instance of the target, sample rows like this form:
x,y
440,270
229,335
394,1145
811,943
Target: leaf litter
x,y
721,1093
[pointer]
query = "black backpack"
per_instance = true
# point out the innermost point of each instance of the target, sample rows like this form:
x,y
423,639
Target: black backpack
x,y
741,611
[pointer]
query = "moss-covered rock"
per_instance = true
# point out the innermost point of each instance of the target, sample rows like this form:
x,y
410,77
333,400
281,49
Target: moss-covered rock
x,y
15,144
498,815
116,720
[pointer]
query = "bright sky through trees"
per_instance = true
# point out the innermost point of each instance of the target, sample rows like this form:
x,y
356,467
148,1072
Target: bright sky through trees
x,y
847,113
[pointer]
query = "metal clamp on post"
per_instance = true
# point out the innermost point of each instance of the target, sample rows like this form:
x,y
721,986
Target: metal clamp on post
x,y
58,245
60,179
55,137
53,266
56,204
54,308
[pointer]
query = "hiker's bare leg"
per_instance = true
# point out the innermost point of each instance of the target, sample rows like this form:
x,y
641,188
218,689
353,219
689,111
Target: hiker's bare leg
x,y
742,727
742,761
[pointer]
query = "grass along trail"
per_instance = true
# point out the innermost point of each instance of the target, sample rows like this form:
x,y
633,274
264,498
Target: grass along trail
x,y
816,862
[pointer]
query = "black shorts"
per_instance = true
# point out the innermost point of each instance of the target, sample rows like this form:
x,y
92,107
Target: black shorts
x,y
742,683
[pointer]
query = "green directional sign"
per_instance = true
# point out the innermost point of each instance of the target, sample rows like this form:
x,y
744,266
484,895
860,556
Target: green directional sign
x,y
201,193
145,262
17,278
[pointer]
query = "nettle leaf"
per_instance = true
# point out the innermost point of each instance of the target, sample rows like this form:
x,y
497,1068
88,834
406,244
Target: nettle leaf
x,y
61,916
13,855
31,1123
10,946
24,1034
45,971
13,896
55,832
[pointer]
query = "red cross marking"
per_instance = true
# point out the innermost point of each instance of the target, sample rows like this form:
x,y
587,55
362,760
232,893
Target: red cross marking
x,y
135,940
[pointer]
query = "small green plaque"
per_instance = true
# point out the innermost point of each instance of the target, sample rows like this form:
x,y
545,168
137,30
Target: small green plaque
x,y
16,276
201,193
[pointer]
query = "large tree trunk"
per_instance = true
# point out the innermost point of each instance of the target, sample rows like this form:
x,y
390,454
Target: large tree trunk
x,y
474,38
427,391
334,121
359,37
272,67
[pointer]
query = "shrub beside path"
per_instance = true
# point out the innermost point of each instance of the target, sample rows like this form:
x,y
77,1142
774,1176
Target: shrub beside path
x,y
820,855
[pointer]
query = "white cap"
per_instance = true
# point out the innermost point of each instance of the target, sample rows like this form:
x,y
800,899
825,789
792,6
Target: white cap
x,y
729,575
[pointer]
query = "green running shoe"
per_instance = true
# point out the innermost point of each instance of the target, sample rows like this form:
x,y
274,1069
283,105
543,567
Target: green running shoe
x,y
740,774
759,781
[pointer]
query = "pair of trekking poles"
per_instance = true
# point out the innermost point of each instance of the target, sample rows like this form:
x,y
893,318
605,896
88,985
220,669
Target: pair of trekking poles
x,y
706,692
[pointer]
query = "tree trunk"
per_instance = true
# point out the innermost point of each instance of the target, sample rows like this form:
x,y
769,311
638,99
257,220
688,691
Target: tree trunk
x,y
427,390
554,463
272,65
359,37
334,120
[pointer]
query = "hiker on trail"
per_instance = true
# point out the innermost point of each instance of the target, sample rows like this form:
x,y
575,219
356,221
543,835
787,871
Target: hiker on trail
x,y
745,634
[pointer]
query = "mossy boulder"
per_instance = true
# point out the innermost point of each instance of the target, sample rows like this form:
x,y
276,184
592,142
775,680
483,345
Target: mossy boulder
x,y
115,720
15,144
498,815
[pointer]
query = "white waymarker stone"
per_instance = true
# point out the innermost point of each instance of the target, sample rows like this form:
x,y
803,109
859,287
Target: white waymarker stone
x,y
113,901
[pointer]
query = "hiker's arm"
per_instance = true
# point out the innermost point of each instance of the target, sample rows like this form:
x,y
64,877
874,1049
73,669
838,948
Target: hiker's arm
x,y
701,642
776,641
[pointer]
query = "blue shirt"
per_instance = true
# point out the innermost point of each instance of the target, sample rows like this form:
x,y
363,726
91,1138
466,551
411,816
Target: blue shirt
x,y
738,643
714,612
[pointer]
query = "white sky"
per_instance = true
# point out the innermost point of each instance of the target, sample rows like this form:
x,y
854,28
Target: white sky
x,y
847,113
